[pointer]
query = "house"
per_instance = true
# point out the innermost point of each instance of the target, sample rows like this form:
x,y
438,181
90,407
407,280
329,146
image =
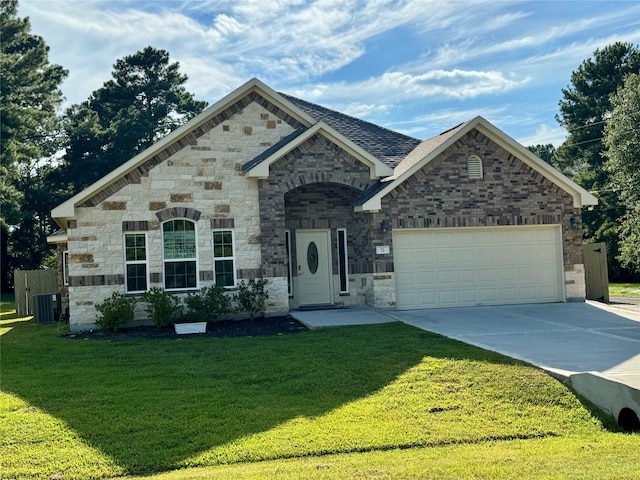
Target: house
x,y
330,209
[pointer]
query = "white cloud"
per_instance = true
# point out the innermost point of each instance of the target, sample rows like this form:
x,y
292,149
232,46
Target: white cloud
x,y
397,86
545,134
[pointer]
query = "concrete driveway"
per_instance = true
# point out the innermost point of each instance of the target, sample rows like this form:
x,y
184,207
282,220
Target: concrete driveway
x,y
563,338
594,347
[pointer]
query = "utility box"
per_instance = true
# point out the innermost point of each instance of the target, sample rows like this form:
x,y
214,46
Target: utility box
x,y
47,307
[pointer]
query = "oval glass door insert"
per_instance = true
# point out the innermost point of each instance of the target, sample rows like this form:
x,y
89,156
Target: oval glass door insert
x,y
312,257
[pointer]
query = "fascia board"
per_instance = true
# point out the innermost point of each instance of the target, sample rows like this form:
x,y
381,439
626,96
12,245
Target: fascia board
x,y
581,197
55,239
67,208
377,169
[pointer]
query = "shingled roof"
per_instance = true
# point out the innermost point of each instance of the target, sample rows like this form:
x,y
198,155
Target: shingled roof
x,y
388,146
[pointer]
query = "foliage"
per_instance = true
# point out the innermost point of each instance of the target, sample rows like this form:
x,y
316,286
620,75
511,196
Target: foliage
x,y
163,307
50,261
584,109
207,304
145,100
29,133
382,389
545,152
251,297
622,139
115,311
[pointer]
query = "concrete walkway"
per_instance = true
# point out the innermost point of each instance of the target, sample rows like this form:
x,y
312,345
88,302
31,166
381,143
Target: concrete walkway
x,y
594,347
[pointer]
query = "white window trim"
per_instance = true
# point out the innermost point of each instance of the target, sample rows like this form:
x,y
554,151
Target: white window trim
x,y
173,260
135,262
346,259
232,257
65,267
287,235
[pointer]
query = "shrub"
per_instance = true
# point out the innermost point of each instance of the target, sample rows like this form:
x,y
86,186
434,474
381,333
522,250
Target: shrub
x,y
252,297
207,304
162,307
115,311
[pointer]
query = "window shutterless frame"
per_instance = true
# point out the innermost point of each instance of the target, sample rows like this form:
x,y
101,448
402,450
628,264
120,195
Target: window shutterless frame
x,y
224,258
343,260
287,242
180,254
65,267
136,267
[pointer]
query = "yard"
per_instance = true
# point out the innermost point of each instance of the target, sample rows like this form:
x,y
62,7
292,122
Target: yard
x,y
356,402
624,289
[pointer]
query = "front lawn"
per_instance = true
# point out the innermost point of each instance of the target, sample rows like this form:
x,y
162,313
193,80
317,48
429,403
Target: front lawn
x,y
330,403
624,289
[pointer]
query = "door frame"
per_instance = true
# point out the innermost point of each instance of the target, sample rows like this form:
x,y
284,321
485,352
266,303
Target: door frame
x,y
322,235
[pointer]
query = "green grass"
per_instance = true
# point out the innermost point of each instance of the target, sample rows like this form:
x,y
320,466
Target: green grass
x,y
365,402
624,289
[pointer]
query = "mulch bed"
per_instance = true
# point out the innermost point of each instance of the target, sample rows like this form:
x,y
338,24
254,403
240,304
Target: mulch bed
x,y
260,327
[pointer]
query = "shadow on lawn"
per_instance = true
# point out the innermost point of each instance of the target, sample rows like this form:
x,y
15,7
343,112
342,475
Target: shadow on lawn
x,y
150,405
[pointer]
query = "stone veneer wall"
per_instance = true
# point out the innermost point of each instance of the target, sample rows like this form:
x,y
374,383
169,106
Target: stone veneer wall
x,y
317,185
202,180
511,193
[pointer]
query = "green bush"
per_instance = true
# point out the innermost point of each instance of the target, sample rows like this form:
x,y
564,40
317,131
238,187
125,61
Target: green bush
x,y
207,304
251,297
162,307
115,311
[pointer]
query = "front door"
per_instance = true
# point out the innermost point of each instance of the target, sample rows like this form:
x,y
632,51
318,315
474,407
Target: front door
x,y
314,267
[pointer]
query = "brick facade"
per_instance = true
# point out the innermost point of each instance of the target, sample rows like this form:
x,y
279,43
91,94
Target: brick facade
x,y
317,185
511,193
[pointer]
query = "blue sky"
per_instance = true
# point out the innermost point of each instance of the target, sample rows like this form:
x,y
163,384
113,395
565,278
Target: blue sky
x,y
415,66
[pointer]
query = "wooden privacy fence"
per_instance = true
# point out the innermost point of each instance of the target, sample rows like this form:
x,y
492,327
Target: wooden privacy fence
x,y
596,274
28,283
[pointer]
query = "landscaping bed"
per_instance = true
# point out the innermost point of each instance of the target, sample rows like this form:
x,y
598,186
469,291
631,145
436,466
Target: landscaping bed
x,y
258,327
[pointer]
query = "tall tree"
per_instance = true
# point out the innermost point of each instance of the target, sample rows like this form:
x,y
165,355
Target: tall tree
x,y
622,139
29,97
584,109
145,100
545,152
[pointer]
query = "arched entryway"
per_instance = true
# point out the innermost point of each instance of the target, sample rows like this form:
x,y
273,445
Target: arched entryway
x,y
327,242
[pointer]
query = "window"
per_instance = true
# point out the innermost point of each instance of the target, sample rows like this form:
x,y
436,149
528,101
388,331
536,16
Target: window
x,y
474,167
343,267
65,267
287,241
135,262
180,254
224,271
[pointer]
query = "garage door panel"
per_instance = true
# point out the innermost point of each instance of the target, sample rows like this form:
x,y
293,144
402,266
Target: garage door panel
x,y
466,266
486,275
447,277
467,276
427,278
468,296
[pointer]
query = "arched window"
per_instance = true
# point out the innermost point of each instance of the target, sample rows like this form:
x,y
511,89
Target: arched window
x,y
179,251
474,167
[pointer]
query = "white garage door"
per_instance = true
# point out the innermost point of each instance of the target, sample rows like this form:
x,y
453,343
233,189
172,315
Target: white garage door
x,y
477,266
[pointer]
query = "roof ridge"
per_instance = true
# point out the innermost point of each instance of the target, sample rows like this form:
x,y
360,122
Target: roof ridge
x,y
287,96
